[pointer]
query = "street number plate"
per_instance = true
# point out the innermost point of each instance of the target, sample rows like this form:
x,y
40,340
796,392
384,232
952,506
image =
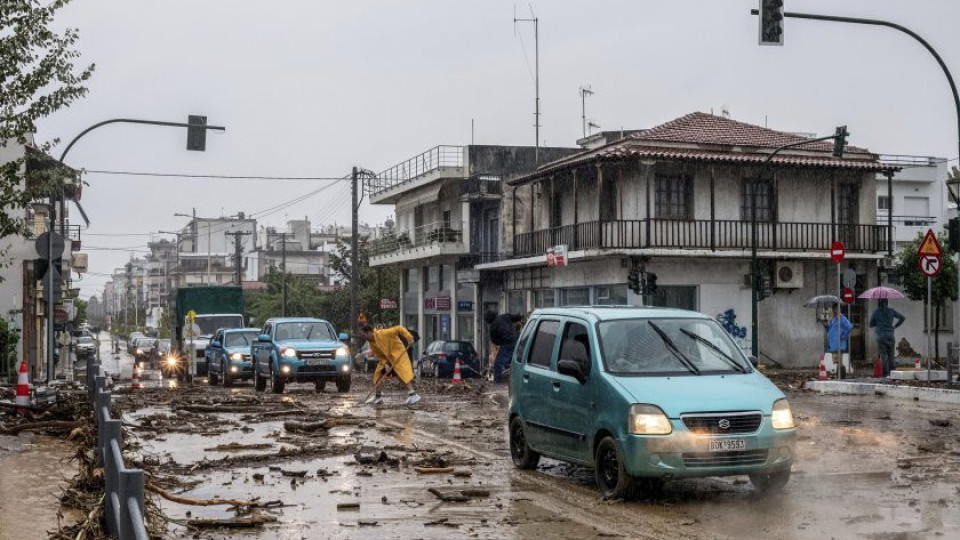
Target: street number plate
x,y
317,361
727,445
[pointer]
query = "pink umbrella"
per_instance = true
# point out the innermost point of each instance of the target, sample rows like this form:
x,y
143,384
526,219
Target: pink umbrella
x,y
881,293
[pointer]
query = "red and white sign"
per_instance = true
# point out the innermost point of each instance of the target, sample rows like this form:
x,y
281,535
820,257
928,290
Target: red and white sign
x,y
837,252
930,265
930,254
388,303
557,255
847,296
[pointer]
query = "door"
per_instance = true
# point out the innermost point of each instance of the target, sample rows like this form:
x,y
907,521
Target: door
x,y
262,358
848,215
573,404
535,384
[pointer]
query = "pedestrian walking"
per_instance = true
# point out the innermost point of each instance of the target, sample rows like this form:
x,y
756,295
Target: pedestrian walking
x,y
838,334
503,334
886,320
390,347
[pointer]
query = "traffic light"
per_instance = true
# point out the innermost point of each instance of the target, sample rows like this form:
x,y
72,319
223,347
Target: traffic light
x,y
633,279
650,284
771,22
953,234
197,133
840,141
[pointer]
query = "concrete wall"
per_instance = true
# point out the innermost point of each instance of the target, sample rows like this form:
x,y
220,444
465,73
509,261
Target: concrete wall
x,y
15,250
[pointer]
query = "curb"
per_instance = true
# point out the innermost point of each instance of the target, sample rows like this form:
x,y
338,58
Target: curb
x,y
932,395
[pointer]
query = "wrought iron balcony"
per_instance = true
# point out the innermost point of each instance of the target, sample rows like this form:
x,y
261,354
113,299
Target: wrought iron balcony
x,y
702,234
433,159
420,238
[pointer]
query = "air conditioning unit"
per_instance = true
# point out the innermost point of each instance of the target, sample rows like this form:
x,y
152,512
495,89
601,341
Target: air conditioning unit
x,y
789,275
888,262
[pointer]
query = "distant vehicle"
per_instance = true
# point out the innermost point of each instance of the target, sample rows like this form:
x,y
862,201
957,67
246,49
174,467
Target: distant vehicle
x,y
365,360
228,355
144,349
132,341
300,350
643,395
86,348
440,358
215,308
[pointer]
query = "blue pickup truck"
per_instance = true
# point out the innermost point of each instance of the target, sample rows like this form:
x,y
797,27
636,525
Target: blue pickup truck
x,y
228,355
300,350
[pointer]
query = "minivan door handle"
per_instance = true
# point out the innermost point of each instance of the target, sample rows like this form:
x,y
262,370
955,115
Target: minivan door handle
x,y
526,378
556,386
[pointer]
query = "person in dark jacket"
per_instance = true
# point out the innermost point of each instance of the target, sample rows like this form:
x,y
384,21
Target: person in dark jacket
x,y
503,334
886,319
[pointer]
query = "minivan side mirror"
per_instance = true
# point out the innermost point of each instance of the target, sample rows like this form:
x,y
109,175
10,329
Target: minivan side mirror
x,y
571,368
754,361
263,338
215,344
343,336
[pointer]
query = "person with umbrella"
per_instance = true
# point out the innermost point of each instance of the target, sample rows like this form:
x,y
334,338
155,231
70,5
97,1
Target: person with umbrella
x,y
886,320
838,333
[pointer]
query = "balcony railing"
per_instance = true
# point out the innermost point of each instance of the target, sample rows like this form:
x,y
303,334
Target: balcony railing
x,y
701,234
432,159
425,235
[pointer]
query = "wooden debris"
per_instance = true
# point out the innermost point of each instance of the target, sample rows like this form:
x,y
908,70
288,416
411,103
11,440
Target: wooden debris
x,y
231,523
476,493
307,427
434,470
236,447
348,506
447,497
30,426
463,474
200,502
295,474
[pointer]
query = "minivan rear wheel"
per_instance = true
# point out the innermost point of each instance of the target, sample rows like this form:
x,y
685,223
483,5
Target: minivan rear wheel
x,y
612,477
770,482
523,456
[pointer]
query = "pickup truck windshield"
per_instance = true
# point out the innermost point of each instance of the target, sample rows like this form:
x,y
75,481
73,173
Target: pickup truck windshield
x,y
239,339
635,347
210,324
316,331
85,341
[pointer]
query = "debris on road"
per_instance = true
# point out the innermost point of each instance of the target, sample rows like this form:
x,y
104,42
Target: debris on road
x,y
449,497
232,523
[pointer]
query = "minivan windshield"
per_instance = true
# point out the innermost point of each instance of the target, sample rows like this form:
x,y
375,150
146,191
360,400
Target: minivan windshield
x,y
315,331
240,339
669,347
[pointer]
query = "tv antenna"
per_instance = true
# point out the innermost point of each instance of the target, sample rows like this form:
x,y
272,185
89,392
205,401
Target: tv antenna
x,y
536,47
584,92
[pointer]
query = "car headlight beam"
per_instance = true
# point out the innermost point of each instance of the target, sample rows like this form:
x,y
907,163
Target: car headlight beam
x,y
782,416
171,360
289,352
236,356
343,351
647,419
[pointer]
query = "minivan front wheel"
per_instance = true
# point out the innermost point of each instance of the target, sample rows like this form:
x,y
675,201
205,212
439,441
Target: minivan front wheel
x,y
612,477
523,456
770,482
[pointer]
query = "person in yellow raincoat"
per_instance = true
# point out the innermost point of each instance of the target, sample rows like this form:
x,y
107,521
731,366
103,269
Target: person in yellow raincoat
x,y
390,347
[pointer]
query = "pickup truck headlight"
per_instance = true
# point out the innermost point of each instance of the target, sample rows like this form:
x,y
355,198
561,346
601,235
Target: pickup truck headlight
x,y
648,420
171,360
236,356
288,352
343,351
139,351
782,417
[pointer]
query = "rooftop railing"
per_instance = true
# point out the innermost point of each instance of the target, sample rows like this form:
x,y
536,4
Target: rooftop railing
x,y
431,160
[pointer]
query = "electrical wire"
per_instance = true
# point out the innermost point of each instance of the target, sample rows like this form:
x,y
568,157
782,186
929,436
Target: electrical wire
x,y
215,176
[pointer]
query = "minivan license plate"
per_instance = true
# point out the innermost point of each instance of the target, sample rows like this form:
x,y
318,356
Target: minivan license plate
x,y
317,361
726,445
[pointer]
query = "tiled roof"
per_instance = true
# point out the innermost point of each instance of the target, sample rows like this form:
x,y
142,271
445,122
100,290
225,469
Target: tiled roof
x,y
707,138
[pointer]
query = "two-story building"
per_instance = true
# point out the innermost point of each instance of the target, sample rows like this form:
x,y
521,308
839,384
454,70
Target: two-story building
x,y
679,201
449,217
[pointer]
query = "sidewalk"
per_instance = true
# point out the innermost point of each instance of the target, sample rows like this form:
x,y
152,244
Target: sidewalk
x,y
873,387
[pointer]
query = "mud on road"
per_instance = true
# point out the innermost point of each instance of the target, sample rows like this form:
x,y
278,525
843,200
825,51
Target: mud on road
x,y
325,466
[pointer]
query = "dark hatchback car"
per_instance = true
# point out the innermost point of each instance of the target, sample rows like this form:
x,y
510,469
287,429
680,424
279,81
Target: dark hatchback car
x,y
440,358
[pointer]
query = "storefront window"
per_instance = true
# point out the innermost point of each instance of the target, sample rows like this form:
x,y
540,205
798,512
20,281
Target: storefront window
x,y
575,297
676,296
545,298
465,327
516,302
612,295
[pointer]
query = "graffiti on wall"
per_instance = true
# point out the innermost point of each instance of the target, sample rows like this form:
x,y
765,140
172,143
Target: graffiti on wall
x,y
728,320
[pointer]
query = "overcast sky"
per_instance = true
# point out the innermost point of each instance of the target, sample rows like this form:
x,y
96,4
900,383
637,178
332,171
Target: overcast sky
x,y
313,87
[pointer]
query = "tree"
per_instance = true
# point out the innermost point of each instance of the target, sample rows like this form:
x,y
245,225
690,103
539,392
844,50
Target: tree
x,y
943,286
81,316
375,283
37,78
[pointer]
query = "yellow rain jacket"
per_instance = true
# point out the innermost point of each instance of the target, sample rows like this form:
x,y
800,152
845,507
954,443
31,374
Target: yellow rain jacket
x,y
390,349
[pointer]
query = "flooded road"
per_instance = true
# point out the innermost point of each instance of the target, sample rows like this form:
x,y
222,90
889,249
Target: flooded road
x,y
872,468
32,469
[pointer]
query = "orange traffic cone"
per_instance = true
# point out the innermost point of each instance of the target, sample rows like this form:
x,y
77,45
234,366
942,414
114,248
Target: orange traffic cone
x,y
23,386
135,383
916,363
877,369
823,370
456,373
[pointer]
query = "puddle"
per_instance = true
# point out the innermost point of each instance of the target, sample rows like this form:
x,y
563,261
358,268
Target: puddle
x,y
32,471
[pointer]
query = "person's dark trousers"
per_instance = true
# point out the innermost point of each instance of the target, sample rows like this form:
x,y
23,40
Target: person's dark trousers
x,y
887,347
501,362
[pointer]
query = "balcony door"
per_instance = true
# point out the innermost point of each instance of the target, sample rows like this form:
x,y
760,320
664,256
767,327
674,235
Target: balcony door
x,y
848,214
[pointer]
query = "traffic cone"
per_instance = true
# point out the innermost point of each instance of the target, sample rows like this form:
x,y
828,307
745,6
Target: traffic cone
x,y
23,386
135,383
823,370
916,363
877,369
456,373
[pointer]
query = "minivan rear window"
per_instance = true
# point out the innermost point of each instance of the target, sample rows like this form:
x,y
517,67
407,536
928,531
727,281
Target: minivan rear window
x,y
669,346
542,349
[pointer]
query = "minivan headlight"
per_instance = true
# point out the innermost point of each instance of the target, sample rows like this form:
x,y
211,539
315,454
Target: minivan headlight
x,y
648,420
236,356
289,353
343,351
782,417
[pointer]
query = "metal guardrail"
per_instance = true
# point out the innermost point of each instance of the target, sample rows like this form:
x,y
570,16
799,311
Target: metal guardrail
x,y
123,500
432,159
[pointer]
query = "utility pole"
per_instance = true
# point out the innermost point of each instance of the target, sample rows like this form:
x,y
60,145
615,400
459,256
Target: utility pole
x,y
536,79
238,253
354,248
283,268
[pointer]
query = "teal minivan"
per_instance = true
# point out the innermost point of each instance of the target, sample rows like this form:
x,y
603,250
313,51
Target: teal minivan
x,y
644,395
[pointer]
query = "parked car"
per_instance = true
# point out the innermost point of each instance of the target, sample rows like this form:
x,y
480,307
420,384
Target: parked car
x,y
643,395
440,358
300,350
132,341
144,349
365,360
86,348
228,355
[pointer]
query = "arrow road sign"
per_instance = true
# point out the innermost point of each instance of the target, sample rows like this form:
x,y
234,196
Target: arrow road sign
x,y
930,265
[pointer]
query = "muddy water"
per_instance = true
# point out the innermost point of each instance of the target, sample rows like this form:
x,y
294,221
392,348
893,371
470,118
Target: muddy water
x,y
32,469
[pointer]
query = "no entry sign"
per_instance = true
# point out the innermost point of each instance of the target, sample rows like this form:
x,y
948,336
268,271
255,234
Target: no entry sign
x,y
847,296
837,252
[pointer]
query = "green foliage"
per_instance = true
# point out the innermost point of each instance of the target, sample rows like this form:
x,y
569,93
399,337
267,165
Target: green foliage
x,y
37,78
81,316
9,337
944,285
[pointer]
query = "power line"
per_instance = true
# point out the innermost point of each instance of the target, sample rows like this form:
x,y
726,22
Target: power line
x,y
214,176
